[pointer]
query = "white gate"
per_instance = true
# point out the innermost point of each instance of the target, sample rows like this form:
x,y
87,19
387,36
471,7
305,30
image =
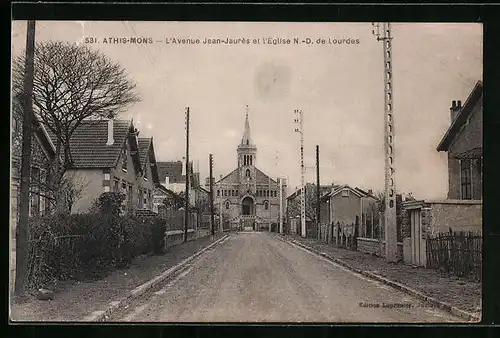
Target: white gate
x,y
417,243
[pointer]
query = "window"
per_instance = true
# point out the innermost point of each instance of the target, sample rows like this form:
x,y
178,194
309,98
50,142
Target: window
x,y
250,160
227,205
124,159
465,180
106,176
106,188
247,173
218,193
266,205
237,193
345,193
116,185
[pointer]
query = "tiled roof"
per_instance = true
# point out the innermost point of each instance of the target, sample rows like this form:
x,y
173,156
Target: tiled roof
x,y
172,169
88,143
143,145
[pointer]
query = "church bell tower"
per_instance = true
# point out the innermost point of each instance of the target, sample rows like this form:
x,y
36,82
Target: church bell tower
x,y
247,154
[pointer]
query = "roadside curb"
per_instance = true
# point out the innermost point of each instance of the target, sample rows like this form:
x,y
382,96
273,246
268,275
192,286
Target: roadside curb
x,y
442,305
100,316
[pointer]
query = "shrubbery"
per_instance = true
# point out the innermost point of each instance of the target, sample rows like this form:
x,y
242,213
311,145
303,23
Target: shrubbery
x,y
89,246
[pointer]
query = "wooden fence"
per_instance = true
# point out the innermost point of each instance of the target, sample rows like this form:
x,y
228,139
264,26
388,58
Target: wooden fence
x,y
457,252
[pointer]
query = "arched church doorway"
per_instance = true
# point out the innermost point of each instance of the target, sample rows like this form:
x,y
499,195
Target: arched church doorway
x,y
247,206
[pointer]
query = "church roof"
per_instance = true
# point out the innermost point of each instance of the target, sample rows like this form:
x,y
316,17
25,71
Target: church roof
x,y
263,178
232,177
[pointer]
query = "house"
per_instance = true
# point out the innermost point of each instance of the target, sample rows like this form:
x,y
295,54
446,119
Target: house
x,y
164,200
109,156
348,213
463,143
172,176
462,210
42,155
294,210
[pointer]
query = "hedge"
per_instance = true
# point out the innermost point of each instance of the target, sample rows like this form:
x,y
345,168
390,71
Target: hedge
x,y
89,246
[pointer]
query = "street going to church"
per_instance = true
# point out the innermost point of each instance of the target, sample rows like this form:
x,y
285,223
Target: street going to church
x,y
256,277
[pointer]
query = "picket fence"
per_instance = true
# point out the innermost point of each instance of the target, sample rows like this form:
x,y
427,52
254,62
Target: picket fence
x,y
459,253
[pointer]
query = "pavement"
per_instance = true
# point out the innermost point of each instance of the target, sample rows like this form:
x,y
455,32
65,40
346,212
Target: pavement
x,y
255,277
80,300
458,294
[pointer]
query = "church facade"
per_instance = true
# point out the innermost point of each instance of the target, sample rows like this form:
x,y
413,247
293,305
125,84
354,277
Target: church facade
x,y
247,196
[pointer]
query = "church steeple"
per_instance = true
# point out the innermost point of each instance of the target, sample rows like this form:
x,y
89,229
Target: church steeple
x,y
247,151
246,139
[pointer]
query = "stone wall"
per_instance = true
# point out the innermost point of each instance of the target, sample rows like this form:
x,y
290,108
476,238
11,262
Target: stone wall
x,y
459,215
373,246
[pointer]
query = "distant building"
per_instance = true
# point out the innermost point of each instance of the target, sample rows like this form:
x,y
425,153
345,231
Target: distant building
x,y
247,196
173,177
293,208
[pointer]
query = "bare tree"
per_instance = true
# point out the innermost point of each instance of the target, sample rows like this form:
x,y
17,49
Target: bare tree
x,y
72,83
72,188
293,206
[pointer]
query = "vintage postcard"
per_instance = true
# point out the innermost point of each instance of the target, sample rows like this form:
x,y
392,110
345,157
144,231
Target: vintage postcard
x,y
246,172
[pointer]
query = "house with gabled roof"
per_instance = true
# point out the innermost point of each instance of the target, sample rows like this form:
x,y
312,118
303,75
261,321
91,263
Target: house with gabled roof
x,y
462,209
463,143
108,155
348,211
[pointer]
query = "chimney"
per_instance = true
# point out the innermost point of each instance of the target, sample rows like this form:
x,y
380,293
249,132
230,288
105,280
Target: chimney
x,y
455,108
110,132
370,192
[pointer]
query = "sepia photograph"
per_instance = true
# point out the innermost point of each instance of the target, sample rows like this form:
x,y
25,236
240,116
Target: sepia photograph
x,y
246,172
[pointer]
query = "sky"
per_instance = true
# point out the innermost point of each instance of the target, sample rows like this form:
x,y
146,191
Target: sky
x,y
338,87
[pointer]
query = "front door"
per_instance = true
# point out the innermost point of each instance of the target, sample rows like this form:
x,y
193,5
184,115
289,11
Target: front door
x,y
416,237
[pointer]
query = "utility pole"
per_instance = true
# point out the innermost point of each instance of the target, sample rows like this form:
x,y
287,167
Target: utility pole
x,y
212,218
269,200
300,130
318,206
390,186
281,204
186,207
24,202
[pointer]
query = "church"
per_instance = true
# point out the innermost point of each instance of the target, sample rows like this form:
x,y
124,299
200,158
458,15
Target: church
x,y
247,196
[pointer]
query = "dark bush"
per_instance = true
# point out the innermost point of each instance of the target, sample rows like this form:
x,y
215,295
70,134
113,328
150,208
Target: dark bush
x,y
158,228
109,203
89,246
